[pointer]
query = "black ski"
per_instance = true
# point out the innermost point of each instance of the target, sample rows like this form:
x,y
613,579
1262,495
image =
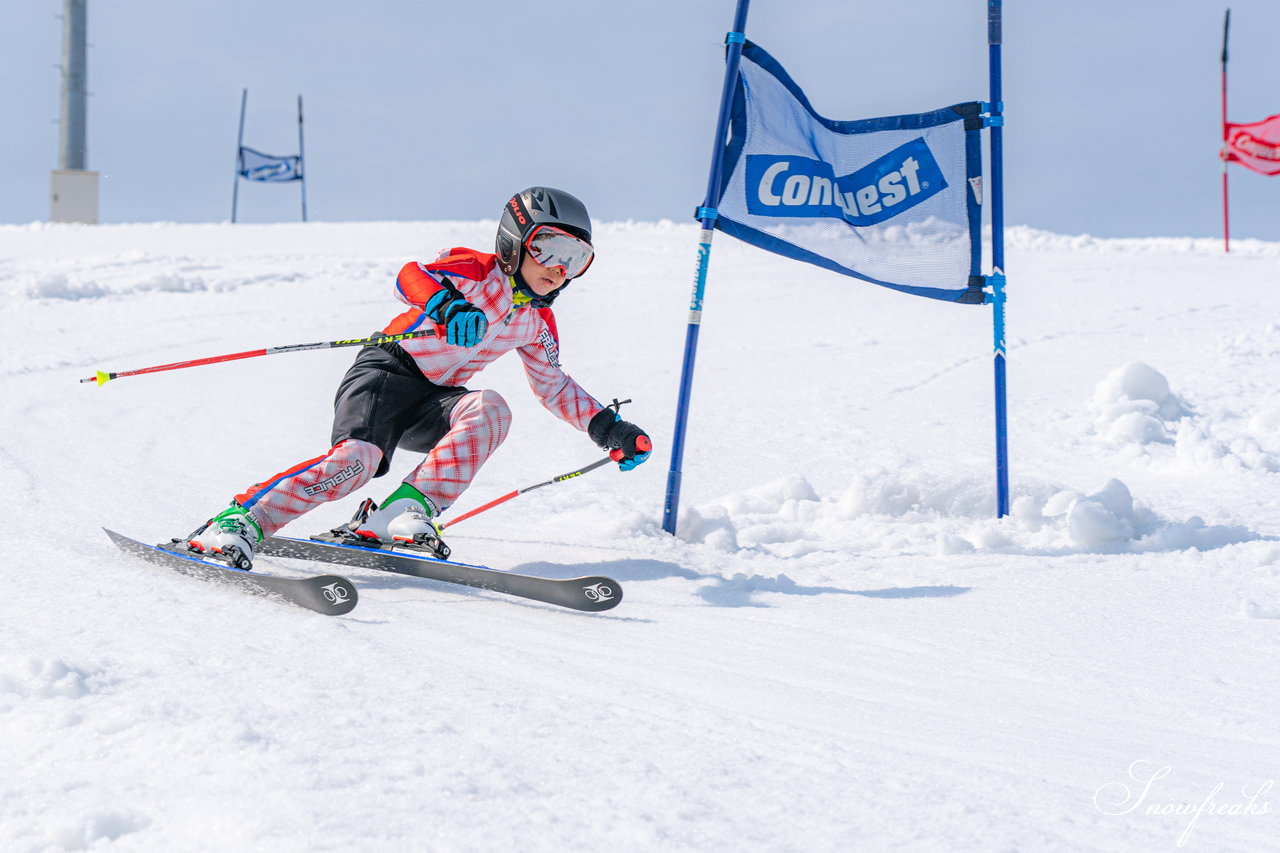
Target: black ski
x,y
329,594
592,594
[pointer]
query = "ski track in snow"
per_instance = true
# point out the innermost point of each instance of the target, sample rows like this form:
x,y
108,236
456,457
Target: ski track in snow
x,y
844,650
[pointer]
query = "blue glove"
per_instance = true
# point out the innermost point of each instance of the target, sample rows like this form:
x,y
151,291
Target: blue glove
x,y
464,323
628,464
628,445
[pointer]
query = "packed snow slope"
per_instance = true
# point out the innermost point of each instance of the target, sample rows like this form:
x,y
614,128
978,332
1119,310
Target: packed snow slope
x,y
842,650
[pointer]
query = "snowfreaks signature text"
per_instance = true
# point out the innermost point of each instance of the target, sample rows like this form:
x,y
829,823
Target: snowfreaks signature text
x,y
1117,798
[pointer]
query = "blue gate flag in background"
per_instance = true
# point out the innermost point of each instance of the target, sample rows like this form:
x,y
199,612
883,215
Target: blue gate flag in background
x,y
895,201
256,166
253,165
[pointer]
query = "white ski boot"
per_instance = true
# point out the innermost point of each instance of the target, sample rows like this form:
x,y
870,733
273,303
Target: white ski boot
x,y
406,517
230,536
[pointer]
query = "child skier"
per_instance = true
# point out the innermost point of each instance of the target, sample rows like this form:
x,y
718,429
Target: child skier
x,y
410,393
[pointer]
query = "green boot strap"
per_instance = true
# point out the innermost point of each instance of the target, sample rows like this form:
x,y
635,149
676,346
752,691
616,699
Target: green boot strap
x,y
236,511
404,490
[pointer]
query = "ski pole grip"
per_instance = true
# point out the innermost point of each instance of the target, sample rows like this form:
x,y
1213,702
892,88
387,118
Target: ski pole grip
x,y
643,445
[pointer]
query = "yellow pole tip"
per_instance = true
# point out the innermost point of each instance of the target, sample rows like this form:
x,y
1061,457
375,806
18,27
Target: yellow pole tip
x,y
103,378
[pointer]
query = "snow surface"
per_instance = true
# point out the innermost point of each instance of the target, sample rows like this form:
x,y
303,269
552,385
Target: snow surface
x,y
844,650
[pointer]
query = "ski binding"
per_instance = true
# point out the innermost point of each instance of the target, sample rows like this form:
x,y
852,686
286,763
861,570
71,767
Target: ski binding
x,y
329,594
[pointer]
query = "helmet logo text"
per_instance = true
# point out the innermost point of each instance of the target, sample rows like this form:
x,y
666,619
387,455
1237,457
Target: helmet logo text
x,y
518,211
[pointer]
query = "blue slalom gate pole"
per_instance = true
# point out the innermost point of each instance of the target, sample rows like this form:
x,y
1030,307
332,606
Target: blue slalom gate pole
x,y
302,162
235,186
994,39
707,215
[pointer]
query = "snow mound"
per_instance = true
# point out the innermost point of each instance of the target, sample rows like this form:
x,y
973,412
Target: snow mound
x,y
1024,237
46,678
774,514
1134,405
883,511
1110,520
1136,412
96,831
59,286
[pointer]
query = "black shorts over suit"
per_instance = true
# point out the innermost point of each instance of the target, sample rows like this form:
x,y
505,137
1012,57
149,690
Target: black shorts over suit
x,y
385,400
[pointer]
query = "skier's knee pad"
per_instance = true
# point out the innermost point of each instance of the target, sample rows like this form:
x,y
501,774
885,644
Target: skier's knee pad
x,y
488,408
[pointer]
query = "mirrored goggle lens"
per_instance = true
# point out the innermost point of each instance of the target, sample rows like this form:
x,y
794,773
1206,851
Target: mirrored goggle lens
x,y
552,247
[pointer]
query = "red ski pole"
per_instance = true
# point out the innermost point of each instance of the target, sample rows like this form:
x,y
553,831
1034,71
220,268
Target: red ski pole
x,y
642,444
103,377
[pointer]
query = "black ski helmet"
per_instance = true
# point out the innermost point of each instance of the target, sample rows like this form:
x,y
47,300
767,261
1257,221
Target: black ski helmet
x,y
530,208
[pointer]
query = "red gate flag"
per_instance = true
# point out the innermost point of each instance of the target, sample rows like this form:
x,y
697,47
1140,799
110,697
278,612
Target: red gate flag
x,y
1255,146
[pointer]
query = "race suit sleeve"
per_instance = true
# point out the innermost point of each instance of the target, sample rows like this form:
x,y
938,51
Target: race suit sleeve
x,y
415,286
557,391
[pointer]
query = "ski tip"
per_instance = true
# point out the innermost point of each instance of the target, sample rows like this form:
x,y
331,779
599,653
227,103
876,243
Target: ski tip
x,y
337,594
598,593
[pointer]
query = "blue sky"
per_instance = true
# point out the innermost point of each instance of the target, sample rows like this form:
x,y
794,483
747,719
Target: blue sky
x,y
432,110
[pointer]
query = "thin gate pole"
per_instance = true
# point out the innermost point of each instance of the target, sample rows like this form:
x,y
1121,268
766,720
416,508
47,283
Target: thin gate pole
x,y
302,162
1226,221
994,38
235,186
707,214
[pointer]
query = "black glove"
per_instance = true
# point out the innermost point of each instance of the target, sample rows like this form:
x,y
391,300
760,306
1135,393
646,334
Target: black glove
x,y
464,323
627,444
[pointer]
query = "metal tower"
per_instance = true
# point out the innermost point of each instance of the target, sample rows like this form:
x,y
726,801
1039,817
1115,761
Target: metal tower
x,y
73,189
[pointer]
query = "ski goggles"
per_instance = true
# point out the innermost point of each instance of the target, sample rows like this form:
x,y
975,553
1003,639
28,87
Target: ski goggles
x,y
555,247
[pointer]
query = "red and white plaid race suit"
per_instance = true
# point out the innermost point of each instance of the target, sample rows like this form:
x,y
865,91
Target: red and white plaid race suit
x,y
478,422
